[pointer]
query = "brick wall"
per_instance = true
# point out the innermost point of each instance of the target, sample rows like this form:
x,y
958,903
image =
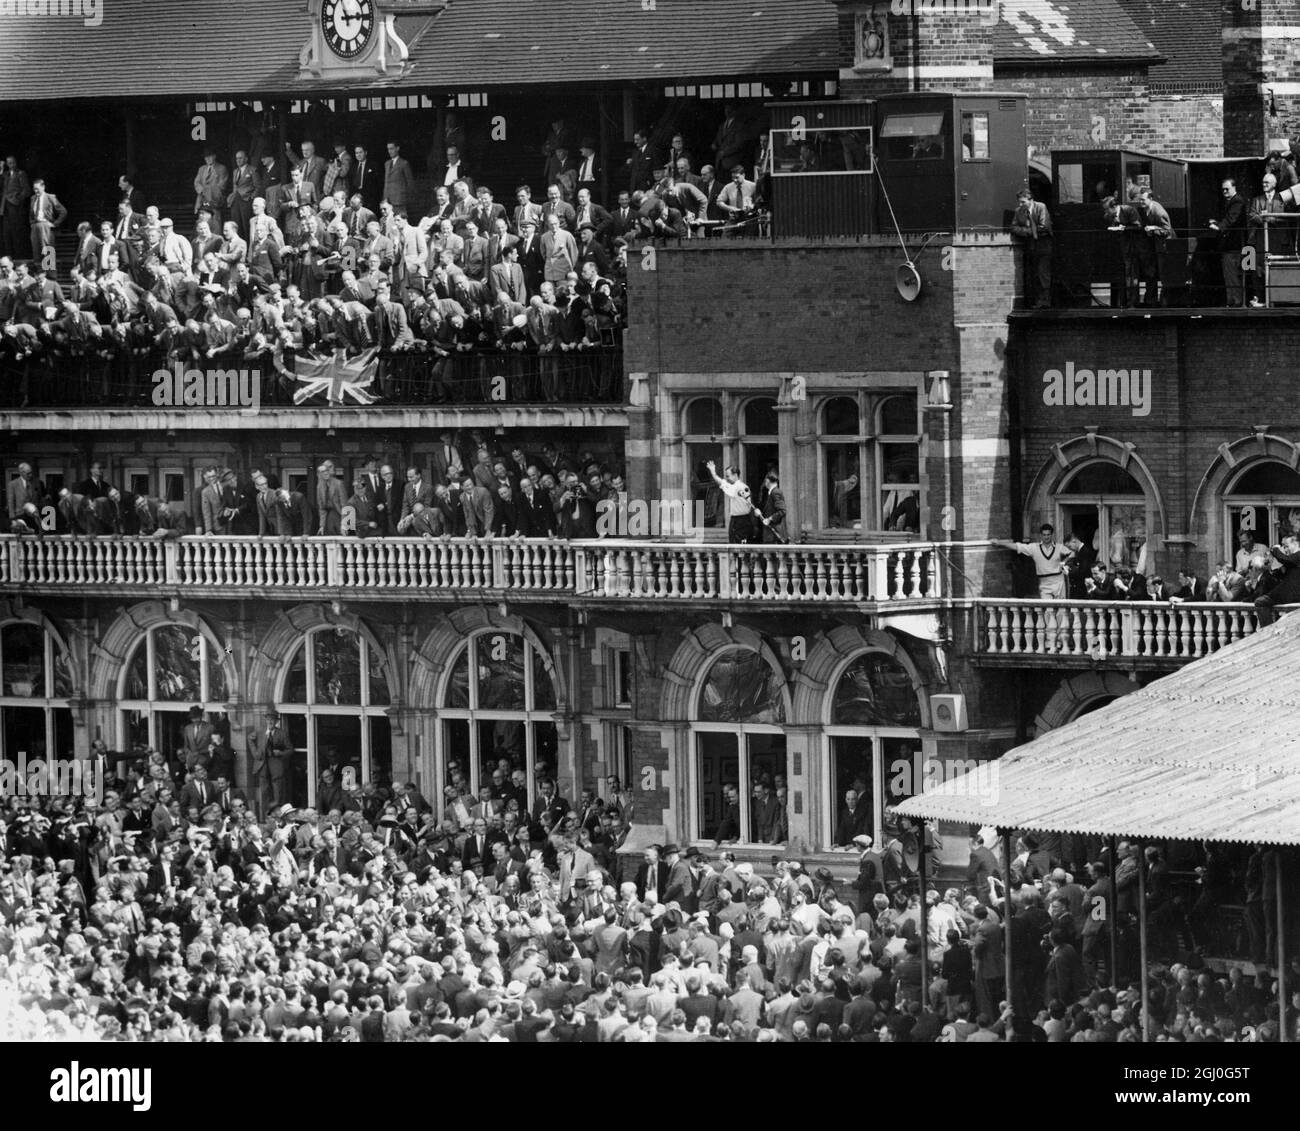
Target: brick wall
x,y
1215,380
1257,54
952,52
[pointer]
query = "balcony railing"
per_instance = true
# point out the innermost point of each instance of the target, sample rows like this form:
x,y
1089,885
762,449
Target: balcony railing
x,y
592,570
61,377
1100,629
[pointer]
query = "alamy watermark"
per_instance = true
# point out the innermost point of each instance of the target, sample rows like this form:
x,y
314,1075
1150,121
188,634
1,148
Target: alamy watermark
x,y
179,387
967,777
1098,388
650,518
89,12
52,777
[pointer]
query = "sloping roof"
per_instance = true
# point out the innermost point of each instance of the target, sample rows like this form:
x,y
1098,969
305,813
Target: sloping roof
x,y
179,48
1211,752
167,47
513,42
1047,31
1188,34
250,47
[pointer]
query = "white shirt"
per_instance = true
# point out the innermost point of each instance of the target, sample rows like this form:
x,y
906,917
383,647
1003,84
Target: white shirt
x,y
738,499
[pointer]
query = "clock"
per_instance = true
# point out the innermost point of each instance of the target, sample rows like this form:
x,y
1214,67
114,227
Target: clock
x,y
348,25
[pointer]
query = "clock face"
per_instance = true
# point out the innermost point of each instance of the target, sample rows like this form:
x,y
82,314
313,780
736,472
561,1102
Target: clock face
x,y
348,26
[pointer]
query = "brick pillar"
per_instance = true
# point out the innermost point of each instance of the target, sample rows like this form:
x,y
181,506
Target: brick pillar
x,y
1260,54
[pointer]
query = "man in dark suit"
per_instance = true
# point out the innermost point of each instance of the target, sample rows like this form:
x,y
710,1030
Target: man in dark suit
x,y
642,164
272,753
367,179
589,169
623,219
854,820
530,257
1190,587
477,849
388,500
1064,977
196,737
982,867
731,143
198,792
712,189
652,876
416,491
536,515
679,887
1232,237
95,486
15,192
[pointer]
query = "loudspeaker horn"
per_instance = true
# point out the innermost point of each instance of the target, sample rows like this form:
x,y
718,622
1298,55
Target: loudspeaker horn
x,y
907,280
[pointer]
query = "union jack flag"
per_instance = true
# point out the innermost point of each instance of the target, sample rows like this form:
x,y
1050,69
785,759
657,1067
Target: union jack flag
x,y
338,377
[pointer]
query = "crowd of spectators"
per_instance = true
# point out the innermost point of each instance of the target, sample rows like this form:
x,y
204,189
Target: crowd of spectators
x,y
302,254
474,486
372,917
1266,577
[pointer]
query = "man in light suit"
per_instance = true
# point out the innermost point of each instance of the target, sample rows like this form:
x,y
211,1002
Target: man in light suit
x,y
399,181
293,196
329,499
448,465
479,507
211,183
24,491
575,863
559,251
243,187
312,165
46,215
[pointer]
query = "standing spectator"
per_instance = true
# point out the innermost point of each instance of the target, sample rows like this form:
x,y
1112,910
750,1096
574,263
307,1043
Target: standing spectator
x,y
329,499
243,187
1032,227
15,191
210,185
46,215
1232,236
399,181
1156,229
366,180
731,142
559,250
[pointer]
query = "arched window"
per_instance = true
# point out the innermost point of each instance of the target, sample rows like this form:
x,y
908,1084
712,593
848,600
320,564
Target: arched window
x,y
497,714
1106,509
334,698
873,728
171,669
739,766
35,718
1264,499
705,428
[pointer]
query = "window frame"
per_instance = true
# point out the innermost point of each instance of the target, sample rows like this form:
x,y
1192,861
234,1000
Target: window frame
x,y
152,706
310,710
528,717
48,704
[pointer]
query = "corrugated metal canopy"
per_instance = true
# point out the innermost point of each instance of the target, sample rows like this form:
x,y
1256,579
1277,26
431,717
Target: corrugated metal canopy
x,y
1211,752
